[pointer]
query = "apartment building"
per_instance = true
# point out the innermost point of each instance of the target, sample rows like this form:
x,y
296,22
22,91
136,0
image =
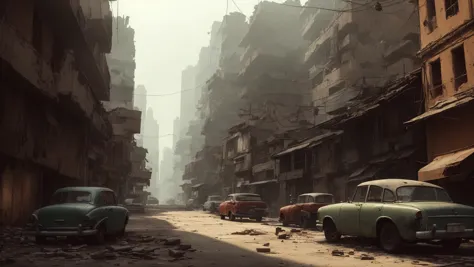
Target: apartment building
x,y
447,43
356,49
54,75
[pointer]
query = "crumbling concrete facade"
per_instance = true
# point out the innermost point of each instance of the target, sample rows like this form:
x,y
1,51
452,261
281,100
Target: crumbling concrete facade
x,y
52,82
356,50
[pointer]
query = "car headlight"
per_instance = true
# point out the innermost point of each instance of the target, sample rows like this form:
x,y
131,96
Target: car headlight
x,y
33,220
88,222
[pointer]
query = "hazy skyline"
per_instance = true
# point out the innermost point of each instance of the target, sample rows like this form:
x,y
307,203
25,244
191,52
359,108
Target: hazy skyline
x,y
168,37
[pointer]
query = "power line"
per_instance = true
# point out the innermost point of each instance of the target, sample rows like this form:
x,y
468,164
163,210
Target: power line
x,y
236,6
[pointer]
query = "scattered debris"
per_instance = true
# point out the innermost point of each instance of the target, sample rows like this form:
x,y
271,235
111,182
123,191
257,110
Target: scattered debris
x,y
278,230
120,248
172,241
103,255
184,247
283,236
295,230
263,250
249,232
338,253
265,223
351,253
176,253
266,244
366,257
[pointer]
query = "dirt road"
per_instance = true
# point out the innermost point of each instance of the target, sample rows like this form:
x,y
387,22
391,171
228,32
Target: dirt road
x,y
205,240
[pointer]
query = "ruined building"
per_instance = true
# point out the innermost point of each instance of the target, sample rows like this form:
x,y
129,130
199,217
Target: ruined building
x,y
125,158
53,76
151,141
446,51
352,52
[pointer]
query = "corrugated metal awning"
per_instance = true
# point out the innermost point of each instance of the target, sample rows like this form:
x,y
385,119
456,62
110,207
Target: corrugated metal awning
x,y
448,104
196,186
309,142
438,168
264,182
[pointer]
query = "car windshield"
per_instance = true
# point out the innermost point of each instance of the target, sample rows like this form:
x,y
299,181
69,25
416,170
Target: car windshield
x,y
72,197
248,198
215,198
422,194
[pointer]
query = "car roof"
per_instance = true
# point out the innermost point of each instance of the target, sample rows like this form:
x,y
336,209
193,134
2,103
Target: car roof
x,y
244,194
316,194
393,184
84,188
215,196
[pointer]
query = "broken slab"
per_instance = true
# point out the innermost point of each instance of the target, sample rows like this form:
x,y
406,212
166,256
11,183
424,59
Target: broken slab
x,y
172,241
263,250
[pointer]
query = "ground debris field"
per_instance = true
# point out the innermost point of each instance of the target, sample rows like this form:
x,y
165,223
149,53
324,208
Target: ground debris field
x,y
192,238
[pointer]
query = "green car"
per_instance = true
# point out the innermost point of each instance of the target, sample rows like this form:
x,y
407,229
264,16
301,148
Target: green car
x,y
89,212
396,211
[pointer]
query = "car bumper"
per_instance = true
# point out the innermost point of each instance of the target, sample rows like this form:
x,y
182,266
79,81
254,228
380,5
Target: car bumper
x,y
443,234
61,232
252,214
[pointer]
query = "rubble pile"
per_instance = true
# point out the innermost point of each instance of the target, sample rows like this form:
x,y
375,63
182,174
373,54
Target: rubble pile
x,y
249,232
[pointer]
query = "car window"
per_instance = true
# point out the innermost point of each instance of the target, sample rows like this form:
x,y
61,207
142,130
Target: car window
x,y
301,199
107,198
71,197
324,199
388,196
375,194
309,199
248,198
229,198
360,193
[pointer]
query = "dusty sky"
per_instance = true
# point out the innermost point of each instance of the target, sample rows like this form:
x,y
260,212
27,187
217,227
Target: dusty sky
x,y
168,37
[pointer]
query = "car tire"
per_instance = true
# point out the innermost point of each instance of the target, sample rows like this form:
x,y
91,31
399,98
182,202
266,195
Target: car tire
x,y
451,244
231,216
122,232
259,219
99,237
40,240
330,232
389,238
222,217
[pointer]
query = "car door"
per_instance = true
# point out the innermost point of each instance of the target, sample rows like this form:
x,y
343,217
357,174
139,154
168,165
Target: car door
x,y
349,216
118,214
370,211
295,210
108,211
226,205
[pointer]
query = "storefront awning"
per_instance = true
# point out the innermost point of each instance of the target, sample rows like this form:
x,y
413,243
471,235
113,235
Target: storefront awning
x,y
264,182
445,165
446,105
317,140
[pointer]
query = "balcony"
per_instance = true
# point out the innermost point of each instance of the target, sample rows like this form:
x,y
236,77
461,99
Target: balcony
x,y
315,23
291,175
262,59
69,15
125,121
269,165
138,154
98,22
243,163
319,49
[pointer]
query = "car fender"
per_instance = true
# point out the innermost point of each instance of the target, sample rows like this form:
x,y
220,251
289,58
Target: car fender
x,y
100,222
327,217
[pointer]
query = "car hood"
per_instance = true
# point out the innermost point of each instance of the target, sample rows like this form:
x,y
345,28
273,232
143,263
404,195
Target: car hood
x,y
287,207
67,214
441,208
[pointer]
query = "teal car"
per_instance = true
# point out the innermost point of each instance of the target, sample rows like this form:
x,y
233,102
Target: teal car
x,y
397,211
88,212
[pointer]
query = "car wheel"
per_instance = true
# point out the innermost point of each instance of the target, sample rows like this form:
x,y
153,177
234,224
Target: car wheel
x,y
330,231
231,216
259,219
40,240
389,238
122,232
99,237
222,217
451,244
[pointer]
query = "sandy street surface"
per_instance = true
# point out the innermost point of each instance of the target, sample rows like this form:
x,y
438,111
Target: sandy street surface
x,y
198,239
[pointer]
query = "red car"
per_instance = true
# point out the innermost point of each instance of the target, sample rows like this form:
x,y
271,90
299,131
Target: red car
x,y
304,212
243,205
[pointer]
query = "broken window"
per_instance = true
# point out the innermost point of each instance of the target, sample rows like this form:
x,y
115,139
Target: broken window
x,y
459,66
285,164
436,78
318,79
452,7
430,21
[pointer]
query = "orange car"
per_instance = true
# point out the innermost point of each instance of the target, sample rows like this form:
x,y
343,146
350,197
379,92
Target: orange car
x,y
243,205
304,212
